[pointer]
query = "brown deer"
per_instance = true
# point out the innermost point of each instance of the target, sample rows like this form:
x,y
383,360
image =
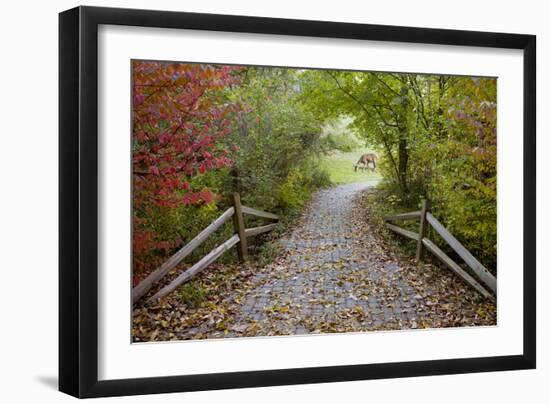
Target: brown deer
x,y
365,159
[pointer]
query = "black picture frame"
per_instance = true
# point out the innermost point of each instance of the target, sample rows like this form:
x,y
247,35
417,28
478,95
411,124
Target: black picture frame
x,y
78,201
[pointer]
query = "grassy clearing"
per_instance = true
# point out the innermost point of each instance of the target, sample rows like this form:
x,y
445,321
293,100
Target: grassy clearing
x,y
339,165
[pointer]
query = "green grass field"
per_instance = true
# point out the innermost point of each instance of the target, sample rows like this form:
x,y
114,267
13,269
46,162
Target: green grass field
x,y
340,168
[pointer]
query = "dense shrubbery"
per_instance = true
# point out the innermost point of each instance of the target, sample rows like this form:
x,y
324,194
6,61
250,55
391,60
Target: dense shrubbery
x,y
202,132
277,140
180,117
337,136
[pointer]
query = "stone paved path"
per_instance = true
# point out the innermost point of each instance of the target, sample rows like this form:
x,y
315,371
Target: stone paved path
x,y
336,274
329,279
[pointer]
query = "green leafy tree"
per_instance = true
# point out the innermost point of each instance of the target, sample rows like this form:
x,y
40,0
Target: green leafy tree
x,y
277,140
437,135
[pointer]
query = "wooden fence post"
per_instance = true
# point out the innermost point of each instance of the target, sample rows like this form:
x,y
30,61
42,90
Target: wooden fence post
x,y
238,222
422,229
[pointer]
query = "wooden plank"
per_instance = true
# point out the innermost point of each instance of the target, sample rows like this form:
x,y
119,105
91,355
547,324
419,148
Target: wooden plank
x,y
198,267
482,272
254,231
257,212
404,216
422,229
453,266
404,232
143,287
238,222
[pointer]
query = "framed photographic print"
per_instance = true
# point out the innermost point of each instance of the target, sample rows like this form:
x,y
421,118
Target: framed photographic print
x,y
251,201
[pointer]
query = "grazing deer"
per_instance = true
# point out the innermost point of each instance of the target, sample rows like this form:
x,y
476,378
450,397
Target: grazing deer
x,y
365,159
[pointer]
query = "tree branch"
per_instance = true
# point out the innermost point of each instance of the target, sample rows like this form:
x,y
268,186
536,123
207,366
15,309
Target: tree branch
x,y
375,75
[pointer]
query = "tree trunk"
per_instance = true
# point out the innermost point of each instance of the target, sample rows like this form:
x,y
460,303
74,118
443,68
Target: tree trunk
x,y
403,151
403,154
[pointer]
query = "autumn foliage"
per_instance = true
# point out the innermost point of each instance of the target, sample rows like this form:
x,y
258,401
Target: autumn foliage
x,y
179,116
203,131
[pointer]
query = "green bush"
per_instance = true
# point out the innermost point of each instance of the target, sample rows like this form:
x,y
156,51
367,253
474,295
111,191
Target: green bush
x,y
268,252
192,295
299,184
342,142
292,193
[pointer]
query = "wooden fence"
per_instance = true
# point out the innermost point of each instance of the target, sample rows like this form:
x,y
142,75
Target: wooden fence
x,y
239,238
426,218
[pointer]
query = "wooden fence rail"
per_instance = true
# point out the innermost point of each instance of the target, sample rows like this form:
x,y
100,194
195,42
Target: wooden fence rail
x,y
145,285
482,272
259,213
457,269
423,243
235,212
405,216
199,266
